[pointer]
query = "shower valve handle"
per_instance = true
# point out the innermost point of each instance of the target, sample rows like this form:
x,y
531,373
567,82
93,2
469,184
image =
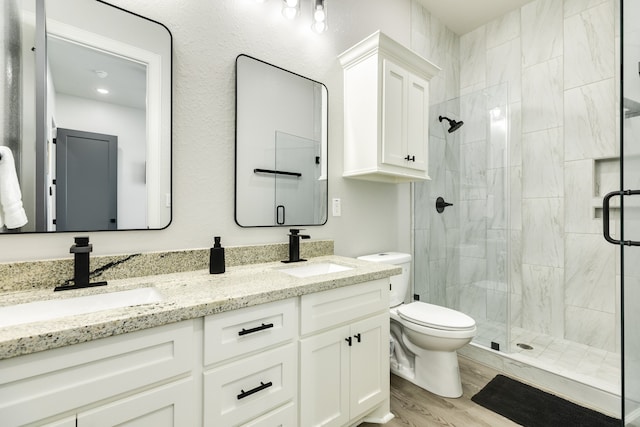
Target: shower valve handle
x,y
441,204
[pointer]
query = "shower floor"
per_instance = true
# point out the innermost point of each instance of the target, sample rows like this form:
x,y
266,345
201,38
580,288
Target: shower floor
x,y
588,365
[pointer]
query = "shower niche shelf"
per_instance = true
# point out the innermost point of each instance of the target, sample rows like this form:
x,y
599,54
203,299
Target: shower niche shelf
x,y
386,111
606,178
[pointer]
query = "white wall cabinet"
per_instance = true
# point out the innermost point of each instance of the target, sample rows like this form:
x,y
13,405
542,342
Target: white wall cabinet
x,y
344,370
386,111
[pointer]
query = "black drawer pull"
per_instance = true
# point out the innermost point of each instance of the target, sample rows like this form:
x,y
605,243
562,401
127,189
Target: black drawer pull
x,y
262,386
256,329
358,337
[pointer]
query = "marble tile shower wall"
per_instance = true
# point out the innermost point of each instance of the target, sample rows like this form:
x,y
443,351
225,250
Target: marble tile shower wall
x,y
435,251
559,61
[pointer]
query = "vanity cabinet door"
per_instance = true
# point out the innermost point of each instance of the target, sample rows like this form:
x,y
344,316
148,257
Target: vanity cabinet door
x,y
369,364
67,422
70,378
344,372
324,379
171,405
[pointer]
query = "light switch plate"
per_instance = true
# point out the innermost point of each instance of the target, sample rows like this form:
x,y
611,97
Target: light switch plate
x,y
336,205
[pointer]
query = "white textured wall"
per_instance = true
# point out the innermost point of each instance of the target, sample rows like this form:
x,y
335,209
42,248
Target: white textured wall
x,y
207,36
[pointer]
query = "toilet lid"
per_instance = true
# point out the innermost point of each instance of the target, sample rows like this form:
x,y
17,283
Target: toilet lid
x,y
434,316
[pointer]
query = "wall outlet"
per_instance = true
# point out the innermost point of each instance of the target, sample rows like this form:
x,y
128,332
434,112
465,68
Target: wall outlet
x,y
336,206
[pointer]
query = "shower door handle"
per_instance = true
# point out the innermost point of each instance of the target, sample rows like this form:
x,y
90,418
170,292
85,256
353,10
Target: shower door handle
x,y
605,217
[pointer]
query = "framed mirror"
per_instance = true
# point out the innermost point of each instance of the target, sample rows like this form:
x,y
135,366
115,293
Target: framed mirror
x,y
281,147
94,151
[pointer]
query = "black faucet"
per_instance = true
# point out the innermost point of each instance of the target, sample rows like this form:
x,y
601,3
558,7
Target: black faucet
x,y
80,250
294,245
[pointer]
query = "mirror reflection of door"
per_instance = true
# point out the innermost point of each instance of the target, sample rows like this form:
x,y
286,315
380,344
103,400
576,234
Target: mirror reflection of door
x,y
86,181
97,91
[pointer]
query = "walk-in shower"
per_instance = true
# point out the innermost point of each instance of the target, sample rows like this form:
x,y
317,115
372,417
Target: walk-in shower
x,y
499,255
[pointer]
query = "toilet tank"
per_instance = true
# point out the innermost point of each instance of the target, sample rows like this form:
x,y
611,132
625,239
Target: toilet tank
x,y
399,283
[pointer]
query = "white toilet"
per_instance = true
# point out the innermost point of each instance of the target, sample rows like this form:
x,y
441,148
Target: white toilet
x,y
424,337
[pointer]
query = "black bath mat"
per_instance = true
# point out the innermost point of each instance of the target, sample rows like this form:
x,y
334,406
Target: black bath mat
x,y
532,407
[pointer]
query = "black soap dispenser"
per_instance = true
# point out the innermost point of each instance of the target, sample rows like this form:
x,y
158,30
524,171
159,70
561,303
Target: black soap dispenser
x,y
216,258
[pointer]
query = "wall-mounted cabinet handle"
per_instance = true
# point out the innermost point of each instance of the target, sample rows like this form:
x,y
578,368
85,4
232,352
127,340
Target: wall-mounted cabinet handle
x,y
605,217
261,387
410,158
348,340
256,329
358,337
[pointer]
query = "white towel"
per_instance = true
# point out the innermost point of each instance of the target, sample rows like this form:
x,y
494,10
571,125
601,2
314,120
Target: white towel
x,y
11,210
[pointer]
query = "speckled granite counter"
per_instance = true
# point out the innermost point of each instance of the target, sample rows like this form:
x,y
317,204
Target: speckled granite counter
x,y
187,295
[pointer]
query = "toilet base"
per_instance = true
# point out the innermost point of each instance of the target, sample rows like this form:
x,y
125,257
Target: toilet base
x,y
434,371
438,372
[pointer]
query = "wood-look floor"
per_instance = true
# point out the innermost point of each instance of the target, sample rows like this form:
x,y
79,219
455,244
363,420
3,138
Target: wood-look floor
x,y
415,407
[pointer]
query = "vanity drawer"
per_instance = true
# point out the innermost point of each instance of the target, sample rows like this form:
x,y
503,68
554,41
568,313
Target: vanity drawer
x,y
238,332
285,416
336,306
240,391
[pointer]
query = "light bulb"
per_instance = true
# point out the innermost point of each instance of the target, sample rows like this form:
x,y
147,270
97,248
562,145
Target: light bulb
x,y
319,15
319,26
290,8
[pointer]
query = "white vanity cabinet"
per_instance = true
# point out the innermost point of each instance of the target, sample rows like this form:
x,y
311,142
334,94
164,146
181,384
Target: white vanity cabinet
x,y
142,377
251,365
344,355
386,111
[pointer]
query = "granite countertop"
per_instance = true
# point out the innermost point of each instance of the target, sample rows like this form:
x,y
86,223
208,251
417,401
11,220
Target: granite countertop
x,y
187,295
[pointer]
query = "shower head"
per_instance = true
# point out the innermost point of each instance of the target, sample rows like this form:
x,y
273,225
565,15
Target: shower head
x,y
453,125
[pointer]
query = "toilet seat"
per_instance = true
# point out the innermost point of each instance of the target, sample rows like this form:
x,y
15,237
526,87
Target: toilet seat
x,y
435,317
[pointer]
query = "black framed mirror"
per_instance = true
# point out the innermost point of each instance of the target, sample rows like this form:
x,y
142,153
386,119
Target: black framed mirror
x,y
281,147
94,150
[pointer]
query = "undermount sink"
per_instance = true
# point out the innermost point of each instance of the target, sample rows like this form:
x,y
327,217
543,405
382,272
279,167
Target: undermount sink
x,y
315,269
53,309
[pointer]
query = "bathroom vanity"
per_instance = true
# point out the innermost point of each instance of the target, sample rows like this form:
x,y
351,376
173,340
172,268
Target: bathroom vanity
x,y
256,346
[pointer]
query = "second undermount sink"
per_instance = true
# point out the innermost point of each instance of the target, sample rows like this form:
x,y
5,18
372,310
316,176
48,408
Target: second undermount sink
x,y
315,269
56,308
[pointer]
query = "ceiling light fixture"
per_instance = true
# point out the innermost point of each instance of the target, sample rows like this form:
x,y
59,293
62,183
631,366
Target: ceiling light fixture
x,y
290,8
319,16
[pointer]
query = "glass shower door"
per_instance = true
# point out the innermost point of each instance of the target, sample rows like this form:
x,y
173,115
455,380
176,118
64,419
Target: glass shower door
x,y
630,211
